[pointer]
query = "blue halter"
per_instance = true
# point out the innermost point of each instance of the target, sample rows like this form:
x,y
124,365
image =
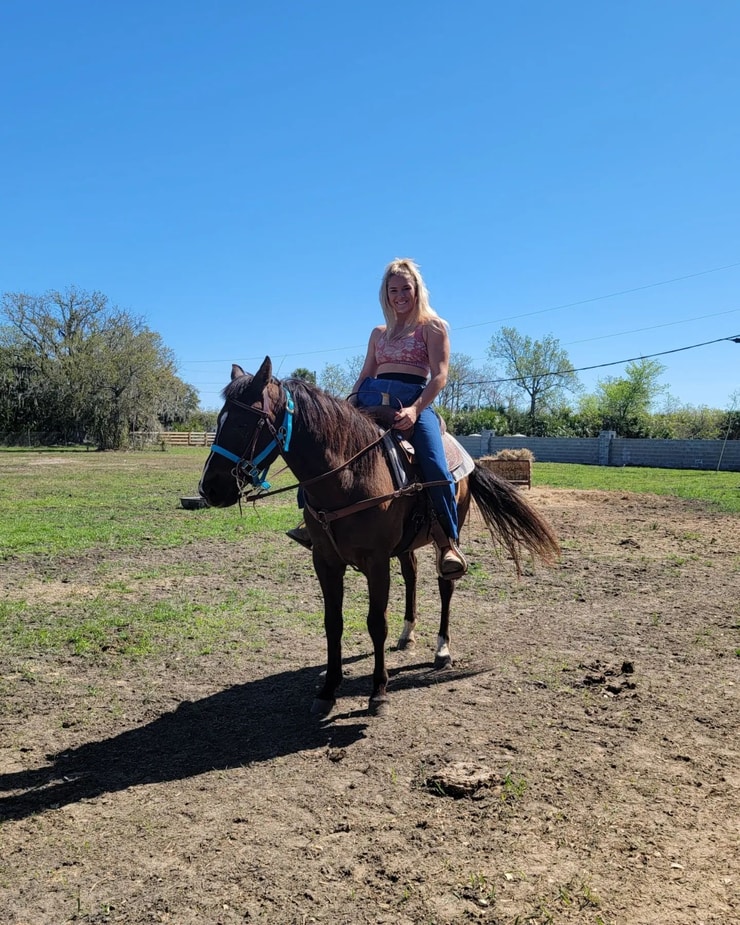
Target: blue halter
x,y
280,442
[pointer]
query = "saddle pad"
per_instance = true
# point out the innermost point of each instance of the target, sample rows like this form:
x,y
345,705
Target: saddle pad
x,y
459,461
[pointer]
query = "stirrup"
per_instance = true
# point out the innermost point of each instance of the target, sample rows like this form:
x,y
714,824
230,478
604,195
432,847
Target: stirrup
x,y
451,563
300,535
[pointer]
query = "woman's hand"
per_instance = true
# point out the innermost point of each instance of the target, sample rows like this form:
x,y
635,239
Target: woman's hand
x,y
406,418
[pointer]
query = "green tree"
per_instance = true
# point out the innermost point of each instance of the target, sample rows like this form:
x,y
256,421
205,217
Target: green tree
x,y
468,387
540,369
302,373
90,369
623,404
337,379
686,422
473,422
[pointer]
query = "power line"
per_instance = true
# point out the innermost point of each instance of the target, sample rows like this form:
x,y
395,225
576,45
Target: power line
x,y
582,369
653,327
541,311
599,298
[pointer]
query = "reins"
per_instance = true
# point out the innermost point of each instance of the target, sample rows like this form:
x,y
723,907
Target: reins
x,y
326,517
259,488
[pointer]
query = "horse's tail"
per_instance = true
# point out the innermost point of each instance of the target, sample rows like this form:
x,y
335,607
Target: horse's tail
x,y
511,519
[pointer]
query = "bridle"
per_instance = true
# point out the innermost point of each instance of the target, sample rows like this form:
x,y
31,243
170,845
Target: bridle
x,y
247,470
251,480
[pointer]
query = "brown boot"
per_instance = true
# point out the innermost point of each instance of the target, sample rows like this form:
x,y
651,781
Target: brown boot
x,y
300,535
451,562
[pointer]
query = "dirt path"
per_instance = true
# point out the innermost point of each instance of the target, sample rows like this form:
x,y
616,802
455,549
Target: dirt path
x,y
578,764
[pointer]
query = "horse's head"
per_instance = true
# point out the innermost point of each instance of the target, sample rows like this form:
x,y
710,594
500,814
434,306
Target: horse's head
x,y
246,437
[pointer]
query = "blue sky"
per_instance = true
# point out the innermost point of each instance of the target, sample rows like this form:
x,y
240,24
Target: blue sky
x,y
238,174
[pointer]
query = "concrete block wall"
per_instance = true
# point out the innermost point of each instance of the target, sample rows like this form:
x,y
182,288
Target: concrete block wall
x,y
676,454
609,450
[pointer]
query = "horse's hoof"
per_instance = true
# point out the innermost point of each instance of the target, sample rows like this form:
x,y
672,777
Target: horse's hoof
x,y
442,661
379,706
407,639
321,707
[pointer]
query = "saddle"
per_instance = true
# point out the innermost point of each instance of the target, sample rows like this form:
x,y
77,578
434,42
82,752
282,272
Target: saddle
x,y
401,454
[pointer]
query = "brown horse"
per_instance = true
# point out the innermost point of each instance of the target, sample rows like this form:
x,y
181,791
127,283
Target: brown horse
x,y
354,512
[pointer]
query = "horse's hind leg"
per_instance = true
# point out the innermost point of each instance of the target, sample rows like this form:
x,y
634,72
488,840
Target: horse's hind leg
x,y
442,657
331,579
407,639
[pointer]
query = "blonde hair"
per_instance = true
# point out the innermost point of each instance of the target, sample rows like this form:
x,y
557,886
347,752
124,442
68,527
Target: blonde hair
x,y
423,311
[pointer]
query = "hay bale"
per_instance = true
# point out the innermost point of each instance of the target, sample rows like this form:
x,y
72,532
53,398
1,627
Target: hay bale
x,y
521,453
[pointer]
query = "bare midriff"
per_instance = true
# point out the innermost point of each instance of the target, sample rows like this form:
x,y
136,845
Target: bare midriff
x,y
390,368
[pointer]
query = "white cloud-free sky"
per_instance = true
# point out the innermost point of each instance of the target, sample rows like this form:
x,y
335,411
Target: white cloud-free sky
x,y
238,174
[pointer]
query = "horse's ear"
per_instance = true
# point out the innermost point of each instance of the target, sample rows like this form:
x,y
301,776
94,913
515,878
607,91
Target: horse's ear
x,y
236,371
264,373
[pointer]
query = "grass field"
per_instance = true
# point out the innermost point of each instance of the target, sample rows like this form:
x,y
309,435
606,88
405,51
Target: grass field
x,y
68,501
56,502
75,511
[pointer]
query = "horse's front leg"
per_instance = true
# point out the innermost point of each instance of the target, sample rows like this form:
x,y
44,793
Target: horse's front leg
x,y
407,639
331,579
378,584
442,656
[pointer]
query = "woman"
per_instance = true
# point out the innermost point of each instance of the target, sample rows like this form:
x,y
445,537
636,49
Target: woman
x,y
408,357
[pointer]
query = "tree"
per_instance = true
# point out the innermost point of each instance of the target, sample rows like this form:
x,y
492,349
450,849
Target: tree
x,y
302,373
89,369
474,422
623,404
731,419
687,422
468,387
19,383
540,369
338,380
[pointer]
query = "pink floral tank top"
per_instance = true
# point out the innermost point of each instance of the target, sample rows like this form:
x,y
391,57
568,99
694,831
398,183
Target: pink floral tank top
x,y
410,350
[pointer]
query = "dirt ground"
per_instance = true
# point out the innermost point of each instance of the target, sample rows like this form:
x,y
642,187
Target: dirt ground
x,y
579,763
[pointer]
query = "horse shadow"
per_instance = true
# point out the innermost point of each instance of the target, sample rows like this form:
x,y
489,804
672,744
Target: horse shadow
x,y
241,725
246,724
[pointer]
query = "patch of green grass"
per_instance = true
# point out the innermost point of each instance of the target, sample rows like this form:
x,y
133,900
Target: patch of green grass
x,y
721,489
108,627
69,503
676,561
62,502
513,789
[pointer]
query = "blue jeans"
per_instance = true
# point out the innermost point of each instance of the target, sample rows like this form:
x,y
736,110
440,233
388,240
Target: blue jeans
x,y
426,440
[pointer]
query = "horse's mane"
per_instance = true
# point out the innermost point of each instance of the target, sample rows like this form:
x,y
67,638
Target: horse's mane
x,y
333,422
342,429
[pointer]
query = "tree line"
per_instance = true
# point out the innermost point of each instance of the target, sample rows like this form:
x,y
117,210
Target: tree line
x,y
530,387
74,368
